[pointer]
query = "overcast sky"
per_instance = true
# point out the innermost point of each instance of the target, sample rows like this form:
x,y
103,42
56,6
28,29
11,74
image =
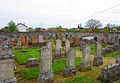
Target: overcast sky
x,y
54,13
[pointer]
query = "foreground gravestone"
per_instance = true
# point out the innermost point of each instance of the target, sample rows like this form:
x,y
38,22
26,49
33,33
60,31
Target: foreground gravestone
x,y
98,60
70,67
85,65
46,75
110,73
6,66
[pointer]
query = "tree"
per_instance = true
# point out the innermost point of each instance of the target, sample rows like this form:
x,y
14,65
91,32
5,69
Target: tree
x,y
93,23
12,27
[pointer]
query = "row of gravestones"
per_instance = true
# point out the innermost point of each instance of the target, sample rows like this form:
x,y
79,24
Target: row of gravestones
x,y
46,75
6,64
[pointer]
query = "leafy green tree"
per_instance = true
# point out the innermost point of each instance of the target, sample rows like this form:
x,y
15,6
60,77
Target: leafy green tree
x,y
12,27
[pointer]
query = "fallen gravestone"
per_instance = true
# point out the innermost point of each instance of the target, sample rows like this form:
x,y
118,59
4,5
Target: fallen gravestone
x,y
31,62
110,73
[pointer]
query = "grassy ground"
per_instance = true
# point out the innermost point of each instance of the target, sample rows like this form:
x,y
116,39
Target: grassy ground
x,y
112,54
21,57
30,75
33,73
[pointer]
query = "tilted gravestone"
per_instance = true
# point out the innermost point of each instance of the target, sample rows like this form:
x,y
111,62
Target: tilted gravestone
x,y
58,49
6,66
67,45
70,67
98,60
85,65
46,75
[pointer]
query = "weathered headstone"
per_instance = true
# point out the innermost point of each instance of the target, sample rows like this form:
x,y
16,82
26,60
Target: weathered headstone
x,y
116,40
110,73
46,75
31,62
67,45
58,49
70,67
98,60
85,65
6,66
40,40
19,43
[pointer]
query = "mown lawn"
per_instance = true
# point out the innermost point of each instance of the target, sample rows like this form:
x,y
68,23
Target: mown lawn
x,y
21,57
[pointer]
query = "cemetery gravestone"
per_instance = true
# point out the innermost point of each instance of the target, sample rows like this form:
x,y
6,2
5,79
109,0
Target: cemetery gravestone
x,y
70,67
46,75
116,41
98,60
6,66
85,65
19,43
58,49
110,73
67,46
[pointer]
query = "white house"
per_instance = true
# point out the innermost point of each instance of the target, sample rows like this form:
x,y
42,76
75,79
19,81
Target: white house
x,y
21,27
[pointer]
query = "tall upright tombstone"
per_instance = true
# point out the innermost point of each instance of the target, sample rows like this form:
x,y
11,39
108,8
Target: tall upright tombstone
x,y
6,66
40,40
70,67
116,40
19,43
85,65
67,46
58,49
46,74
98,60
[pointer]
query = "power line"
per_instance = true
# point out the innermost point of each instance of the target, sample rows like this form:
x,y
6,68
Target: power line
x,y
92,14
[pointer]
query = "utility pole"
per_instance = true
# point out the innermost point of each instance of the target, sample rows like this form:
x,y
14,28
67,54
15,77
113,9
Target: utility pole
x,y
41,24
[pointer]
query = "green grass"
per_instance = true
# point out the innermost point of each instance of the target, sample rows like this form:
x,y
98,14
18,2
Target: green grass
x,y
21,57
58,67
29,73
78,48
92,46
112,54
81,79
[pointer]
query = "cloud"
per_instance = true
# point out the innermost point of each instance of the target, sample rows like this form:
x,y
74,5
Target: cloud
x,y
56,12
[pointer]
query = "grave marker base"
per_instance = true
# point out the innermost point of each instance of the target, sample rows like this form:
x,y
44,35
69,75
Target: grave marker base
x,y
97,61
85,67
